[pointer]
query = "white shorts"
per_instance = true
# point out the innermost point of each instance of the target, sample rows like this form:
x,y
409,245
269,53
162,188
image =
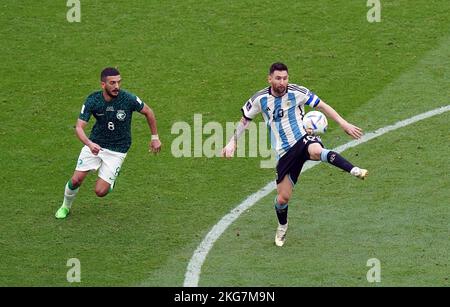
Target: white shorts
x,y
107,162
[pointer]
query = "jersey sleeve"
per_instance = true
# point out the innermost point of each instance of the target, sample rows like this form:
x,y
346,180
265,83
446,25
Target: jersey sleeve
x,y
136,103
312,100
86,110
251,108
305,96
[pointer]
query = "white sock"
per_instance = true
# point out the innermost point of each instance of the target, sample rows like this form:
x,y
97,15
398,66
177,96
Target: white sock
x,y
69,196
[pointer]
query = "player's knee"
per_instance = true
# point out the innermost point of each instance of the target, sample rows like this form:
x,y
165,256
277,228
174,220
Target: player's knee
x,y
101,192
314,153
283,198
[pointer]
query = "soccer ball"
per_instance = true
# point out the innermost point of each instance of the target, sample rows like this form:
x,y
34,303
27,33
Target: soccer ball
x,y
315,123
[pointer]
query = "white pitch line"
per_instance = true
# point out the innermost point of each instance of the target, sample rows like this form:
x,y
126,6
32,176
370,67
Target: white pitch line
x,y
194,267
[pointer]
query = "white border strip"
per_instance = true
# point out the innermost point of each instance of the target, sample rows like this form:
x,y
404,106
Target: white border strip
x,y
194,267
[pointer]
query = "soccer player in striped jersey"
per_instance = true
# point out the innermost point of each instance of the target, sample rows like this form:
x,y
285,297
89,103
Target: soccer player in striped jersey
x,y
110,139
282,106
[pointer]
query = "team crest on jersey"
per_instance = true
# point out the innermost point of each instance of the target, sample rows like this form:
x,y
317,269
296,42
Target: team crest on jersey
x,y
121,114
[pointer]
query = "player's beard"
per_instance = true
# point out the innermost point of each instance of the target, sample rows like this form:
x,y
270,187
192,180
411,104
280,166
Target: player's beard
x,y
279,90
113,93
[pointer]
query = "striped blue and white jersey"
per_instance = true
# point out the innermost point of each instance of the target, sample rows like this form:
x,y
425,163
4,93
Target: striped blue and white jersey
x,y
283,115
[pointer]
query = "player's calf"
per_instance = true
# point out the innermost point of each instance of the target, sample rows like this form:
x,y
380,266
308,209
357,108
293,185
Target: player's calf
x,y
281,209
336,159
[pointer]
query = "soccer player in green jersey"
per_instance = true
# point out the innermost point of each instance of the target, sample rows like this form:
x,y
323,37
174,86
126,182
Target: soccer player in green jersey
x,y
107,146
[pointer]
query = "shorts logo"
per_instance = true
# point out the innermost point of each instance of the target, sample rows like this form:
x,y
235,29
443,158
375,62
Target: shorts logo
x,y
80,161
121,114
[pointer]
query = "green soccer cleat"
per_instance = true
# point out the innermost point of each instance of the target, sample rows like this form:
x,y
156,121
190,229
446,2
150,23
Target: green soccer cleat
x,y
62,212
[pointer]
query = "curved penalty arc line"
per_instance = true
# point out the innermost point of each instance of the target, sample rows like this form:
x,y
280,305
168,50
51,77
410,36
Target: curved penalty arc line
x,y
195,264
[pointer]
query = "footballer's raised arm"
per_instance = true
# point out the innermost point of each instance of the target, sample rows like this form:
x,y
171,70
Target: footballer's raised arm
x,y
352,130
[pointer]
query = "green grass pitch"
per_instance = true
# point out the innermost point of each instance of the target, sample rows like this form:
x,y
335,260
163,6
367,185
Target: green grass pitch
x,y
208,57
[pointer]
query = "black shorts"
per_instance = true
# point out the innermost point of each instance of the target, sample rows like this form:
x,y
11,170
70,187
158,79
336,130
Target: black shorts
x,y
292,162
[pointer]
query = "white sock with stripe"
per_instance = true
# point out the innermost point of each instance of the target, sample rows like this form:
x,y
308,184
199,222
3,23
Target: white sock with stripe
x,y
69,195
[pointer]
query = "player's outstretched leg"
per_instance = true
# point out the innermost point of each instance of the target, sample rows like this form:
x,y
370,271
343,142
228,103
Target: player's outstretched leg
x,y
316,152
337,160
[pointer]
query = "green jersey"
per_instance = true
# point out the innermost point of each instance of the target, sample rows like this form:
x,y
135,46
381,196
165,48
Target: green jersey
x,y
112,129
